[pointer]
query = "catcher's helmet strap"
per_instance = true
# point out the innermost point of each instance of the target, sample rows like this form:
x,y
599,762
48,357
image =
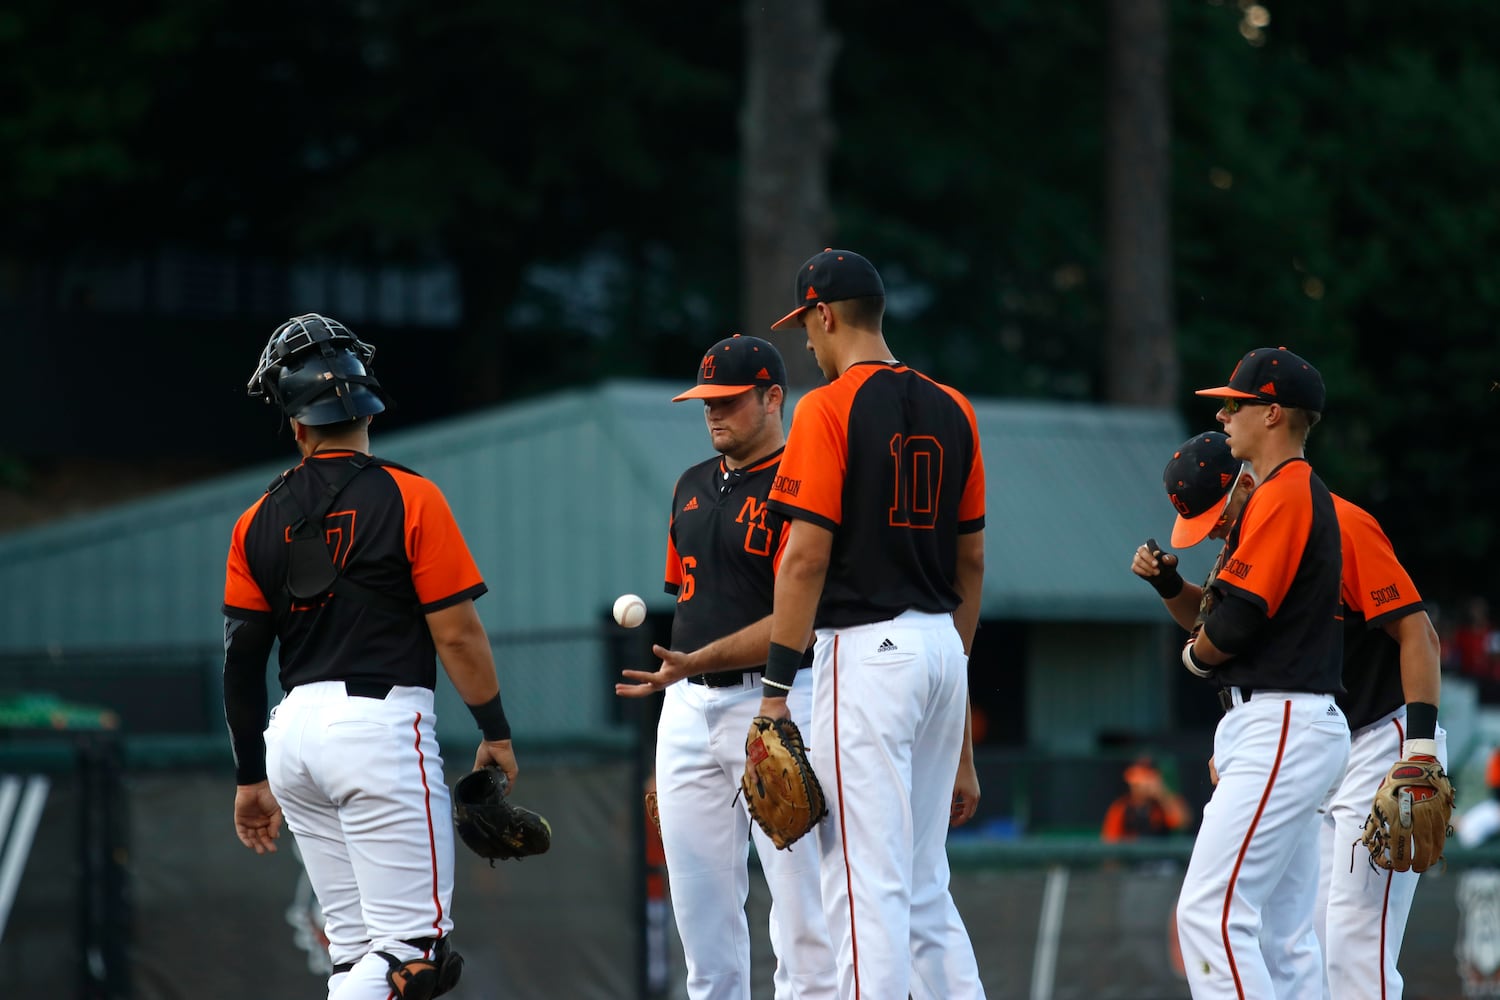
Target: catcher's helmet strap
x,y
341,385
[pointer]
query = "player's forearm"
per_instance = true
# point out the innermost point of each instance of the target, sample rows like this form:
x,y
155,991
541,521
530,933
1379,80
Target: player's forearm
x,y
1184,607
968,583
736,651
796,606
463,646
966,754
1421,658
247,646
799,584
1207,653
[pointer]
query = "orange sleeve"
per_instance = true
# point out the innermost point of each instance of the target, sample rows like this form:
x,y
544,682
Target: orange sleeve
x,y
672,576
1273,535
971,505
1114,822
441,566
240,589
786,530
811,476
1375,583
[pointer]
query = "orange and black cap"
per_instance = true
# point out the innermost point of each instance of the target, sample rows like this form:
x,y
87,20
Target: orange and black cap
x,y
1200,479
1273,375
832,276
734,365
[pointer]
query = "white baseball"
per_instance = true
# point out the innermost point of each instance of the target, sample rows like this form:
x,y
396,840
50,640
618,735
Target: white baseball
x,y
630,610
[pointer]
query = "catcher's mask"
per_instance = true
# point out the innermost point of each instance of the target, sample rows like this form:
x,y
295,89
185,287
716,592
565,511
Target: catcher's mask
x,y
318,372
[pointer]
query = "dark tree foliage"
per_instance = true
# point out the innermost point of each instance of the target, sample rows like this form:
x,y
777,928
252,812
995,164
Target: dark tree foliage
x,y
577,161
1333,197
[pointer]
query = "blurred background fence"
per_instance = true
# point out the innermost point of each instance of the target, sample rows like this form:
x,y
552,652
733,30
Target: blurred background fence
x,y
121,877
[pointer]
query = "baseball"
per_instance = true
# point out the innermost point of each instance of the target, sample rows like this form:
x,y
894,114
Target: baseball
x,y
630,610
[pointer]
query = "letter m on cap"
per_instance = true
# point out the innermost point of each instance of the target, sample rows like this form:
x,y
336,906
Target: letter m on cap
x,y
707,368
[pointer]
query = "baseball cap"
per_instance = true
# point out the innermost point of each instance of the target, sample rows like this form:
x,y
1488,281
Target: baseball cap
x,y
1200,479
1273,375
734,365
832,276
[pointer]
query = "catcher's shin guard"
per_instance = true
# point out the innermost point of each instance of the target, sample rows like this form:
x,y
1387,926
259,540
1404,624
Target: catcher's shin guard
x,y
424,978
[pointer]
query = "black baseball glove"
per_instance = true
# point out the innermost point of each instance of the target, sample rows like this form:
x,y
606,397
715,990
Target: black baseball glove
x,y
490,825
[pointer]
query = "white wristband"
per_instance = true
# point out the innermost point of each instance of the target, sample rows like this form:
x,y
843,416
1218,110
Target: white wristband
x,y
1189,661
1419,748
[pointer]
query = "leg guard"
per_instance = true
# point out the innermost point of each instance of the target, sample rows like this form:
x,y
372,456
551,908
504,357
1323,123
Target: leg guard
x,y
424,978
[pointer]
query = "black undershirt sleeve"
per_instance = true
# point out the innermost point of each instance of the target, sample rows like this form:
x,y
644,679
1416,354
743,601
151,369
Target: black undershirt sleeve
x,y
247,646
1234,623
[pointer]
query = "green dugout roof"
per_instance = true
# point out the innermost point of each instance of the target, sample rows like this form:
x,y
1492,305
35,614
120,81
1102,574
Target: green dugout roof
x,y
564,499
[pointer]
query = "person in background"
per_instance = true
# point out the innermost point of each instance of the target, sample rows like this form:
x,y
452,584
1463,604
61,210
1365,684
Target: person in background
x,y
1147,809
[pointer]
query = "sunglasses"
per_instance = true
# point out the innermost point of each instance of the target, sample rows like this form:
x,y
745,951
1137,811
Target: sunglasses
x,y
1233,405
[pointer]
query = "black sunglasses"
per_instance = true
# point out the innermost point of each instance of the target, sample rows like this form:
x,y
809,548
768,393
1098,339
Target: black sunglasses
x,y
1233,405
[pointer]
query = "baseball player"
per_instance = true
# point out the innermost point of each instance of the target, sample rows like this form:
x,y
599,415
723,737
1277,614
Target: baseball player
x,y
1270,638
723,548
884,482
1392,683
357,567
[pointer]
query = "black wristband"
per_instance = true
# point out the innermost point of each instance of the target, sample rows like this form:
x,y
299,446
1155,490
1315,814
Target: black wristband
x,y
782,664
491,719
1421,721
1168,583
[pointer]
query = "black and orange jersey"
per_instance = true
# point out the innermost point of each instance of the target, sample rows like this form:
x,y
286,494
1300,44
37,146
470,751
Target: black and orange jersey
x,y
1376,592
391,532
1283,559
889,461
723,547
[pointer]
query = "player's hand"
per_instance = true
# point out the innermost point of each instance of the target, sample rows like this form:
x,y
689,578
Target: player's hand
x,y
675,665
1149,562
257,817
1213,772
774,708
502,755
965,794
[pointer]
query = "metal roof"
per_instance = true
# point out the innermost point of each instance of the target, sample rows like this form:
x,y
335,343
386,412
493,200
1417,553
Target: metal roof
x,y
563,501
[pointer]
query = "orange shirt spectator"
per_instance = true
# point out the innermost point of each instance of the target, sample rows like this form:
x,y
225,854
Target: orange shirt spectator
x,y
1148,809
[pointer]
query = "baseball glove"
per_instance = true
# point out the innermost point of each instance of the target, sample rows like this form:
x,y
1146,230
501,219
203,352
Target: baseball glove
x,y
490,825
781,791
1408,822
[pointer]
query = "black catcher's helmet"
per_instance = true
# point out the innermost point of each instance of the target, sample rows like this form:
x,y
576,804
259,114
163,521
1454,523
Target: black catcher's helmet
x,y
318,372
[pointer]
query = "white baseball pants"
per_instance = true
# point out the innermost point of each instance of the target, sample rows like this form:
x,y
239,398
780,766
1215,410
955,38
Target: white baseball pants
x,y
360,783
700,758
888,725
1362,909
1279,755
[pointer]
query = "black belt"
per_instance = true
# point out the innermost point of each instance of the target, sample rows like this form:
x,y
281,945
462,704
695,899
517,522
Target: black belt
x,y
727,678
1226,700
723,678
367,689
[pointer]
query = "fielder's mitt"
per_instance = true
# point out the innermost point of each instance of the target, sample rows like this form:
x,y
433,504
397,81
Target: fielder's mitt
x,y
781,791
490,825
1408,822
